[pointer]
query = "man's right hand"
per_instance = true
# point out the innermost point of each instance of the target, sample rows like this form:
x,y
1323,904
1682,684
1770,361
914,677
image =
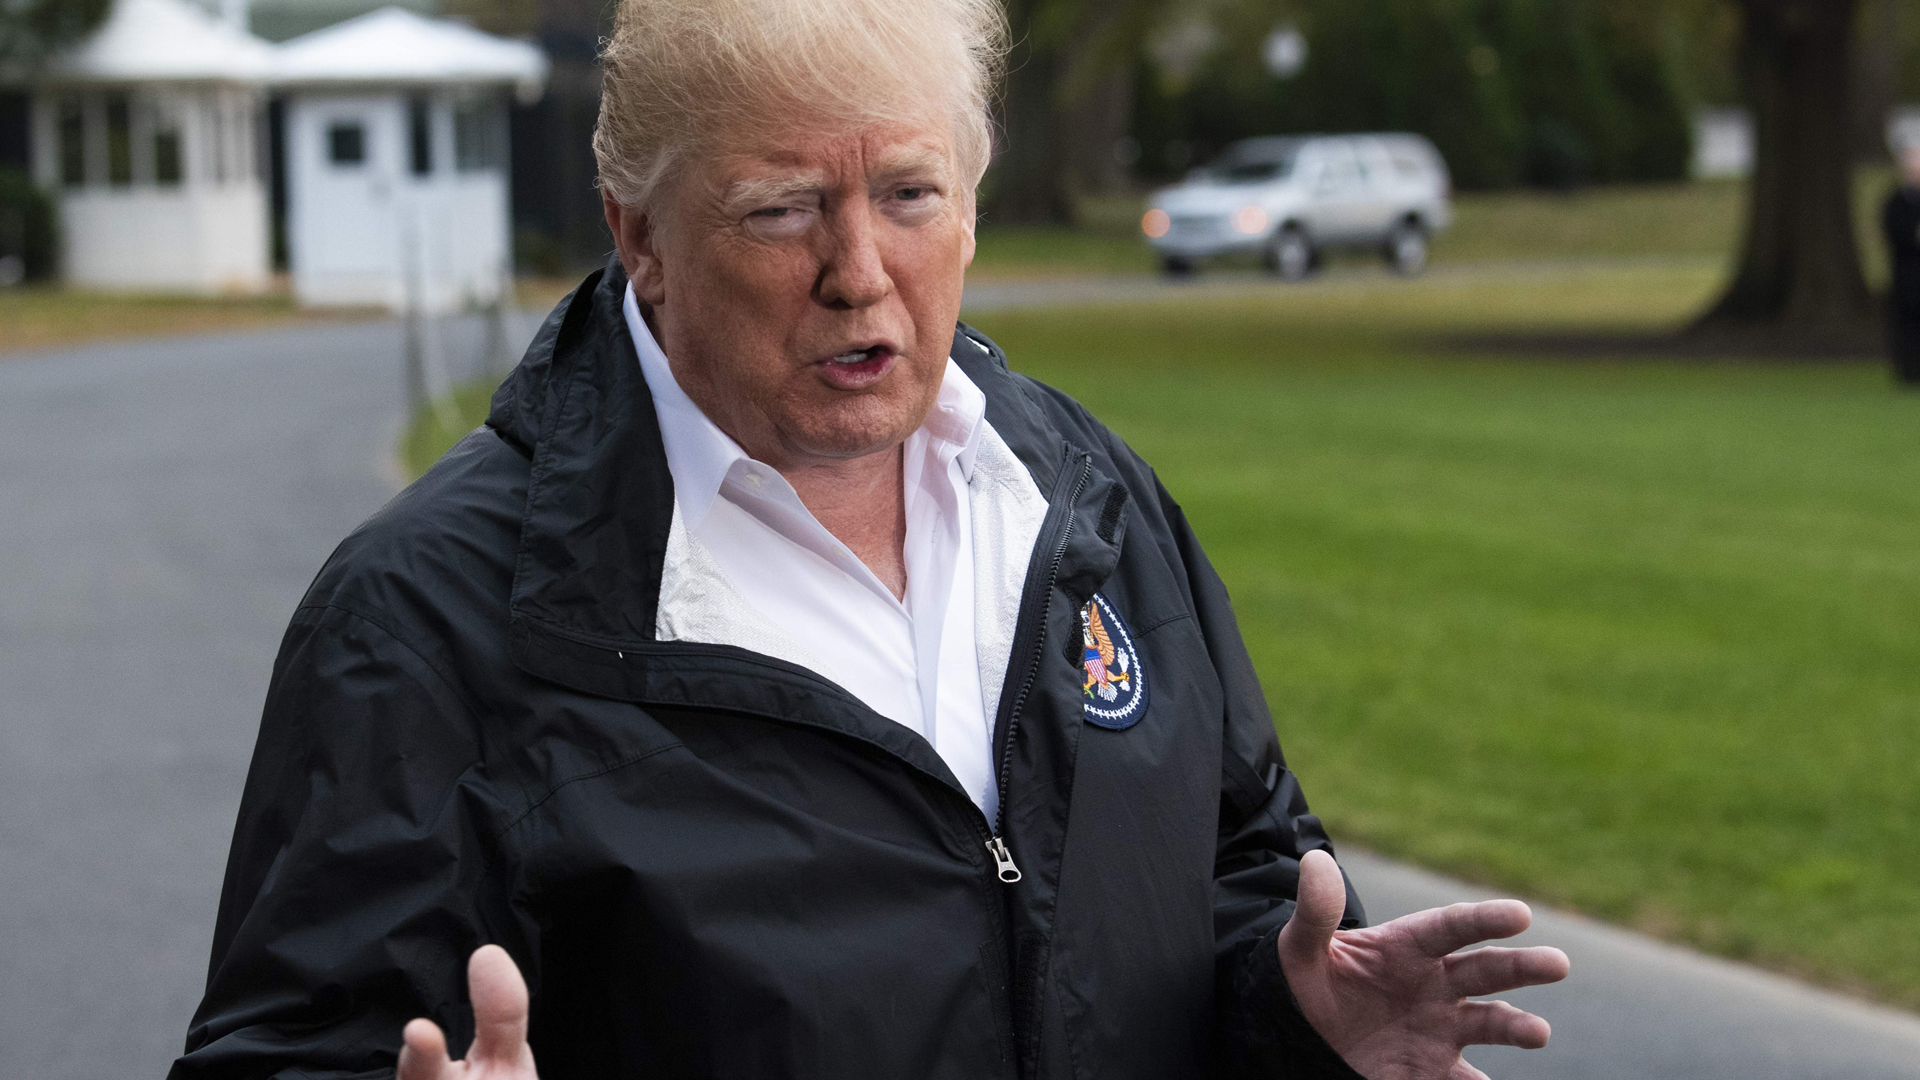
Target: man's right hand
x,y
499,1050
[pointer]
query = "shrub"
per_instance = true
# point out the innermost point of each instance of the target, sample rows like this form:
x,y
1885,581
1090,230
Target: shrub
x,y
26,227
1549,92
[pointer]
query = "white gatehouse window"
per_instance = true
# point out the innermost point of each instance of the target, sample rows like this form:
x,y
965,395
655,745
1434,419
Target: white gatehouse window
x,y
169,162
420,134
119,140
346,145
479,139
71,120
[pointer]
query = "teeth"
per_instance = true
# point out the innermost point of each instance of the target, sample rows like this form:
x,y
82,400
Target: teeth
x,y
852,357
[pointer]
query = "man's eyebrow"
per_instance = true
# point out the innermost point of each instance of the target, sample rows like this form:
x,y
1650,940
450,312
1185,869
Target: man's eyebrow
x,y
768,189
913,160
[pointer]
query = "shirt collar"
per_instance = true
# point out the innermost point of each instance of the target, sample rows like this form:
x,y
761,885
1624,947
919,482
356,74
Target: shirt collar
x,y
700,455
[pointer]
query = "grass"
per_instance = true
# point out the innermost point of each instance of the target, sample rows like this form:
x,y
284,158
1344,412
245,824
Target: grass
x,y
35,317
434,428
1631,637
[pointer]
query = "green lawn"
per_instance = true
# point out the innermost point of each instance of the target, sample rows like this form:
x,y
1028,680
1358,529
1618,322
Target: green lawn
x,y
1636,637
1633,637
38,316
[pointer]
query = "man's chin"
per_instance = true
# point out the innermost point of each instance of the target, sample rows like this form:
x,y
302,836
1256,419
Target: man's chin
x,y
850,442
849,428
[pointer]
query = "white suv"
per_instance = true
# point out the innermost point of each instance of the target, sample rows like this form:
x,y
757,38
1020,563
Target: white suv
x,y
1291,197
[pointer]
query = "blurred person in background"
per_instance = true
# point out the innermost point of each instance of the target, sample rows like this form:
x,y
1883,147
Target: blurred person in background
x,y
780,686
1901,221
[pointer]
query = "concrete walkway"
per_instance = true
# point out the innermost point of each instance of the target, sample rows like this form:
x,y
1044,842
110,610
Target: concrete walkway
x,y
1638,1009
166,503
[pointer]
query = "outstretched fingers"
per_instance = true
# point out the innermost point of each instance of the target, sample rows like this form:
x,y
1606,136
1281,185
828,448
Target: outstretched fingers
x,y
1496,1023
1439,931
1495,970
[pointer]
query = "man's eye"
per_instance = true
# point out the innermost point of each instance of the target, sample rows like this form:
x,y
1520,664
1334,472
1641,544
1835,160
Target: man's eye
x,y
772,212
909,194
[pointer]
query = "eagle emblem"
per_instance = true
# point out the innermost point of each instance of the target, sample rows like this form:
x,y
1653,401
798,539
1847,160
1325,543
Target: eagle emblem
x,y
1114,689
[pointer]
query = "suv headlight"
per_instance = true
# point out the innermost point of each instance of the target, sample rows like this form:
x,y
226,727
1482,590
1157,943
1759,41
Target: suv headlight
x,y
1250,220
1155,223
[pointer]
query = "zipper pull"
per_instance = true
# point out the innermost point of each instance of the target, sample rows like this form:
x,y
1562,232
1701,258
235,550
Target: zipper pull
x,y
1002,860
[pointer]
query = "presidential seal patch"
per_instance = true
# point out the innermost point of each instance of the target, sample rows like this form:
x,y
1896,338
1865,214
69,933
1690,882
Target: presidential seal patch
x,y
1115,689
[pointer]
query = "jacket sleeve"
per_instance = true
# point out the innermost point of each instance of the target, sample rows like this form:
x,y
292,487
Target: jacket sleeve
x,y
362,870
1264,829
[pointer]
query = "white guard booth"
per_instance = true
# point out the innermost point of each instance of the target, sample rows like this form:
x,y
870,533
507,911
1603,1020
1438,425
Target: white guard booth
x,y
148,132
396,160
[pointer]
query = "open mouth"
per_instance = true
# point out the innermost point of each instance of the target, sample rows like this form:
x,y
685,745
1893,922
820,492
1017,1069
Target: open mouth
x,y
857,369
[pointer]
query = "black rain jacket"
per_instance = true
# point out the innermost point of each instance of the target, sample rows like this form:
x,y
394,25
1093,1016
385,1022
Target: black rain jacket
x,y
712,863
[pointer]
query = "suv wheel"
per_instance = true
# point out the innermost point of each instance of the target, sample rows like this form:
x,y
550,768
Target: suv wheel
x,y
1407,248
1176,266
1290,255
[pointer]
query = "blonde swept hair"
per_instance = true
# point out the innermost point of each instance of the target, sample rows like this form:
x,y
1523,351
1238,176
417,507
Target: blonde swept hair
x,y
681,77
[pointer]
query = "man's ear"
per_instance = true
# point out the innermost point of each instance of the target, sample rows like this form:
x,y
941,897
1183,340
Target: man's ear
x,y
634,237
970,218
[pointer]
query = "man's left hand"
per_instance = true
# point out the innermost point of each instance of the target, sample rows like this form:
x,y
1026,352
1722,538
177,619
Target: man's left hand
x,y
1392,1000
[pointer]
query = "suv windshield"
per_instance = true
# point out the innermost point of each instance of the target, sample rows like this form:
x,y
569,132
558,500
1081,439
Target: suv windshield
x,y
1254,161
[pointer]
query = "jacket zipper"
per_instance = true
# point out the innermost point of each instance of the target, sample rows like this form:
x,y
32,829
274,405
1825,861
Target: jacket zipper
x,y
1003,865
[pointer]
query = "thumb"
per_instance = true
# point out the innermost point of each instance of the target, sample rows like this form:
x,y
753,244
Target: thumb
x,y
1321,901
499,1007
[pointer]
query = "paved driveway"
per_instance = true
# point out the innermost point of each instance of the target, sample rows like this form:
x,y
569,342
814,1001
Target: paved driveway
x,y
163,505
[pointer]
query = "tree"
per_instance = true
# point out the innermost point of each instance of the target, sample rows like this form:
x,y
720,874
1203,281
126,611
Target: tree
x,y
32,30
1067,102
1799,264
510,18
1554,93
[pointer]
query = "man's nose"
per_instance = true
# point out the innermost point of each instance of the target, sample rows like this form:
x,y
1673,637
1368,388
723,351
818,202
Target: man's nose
x,y
854,275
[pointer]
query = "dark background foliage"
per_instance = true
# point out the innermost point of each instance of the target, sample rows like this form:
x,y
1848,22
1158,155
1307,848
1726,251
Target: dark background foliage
x,y
1554,93
30,29
26,224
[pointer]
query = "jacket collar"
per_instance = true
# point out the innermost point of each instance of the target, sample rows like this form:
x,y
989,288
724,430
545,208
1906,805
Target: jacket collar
x,y
599,502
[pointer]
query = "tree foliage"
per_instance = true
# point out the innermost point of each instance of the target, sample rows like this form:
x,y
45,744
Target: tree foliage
x,y
1066,103
27,225
1549,92
32,30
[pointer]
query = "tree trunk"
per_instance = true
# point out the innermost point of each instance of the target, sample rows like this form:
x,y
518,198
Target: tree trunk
x,y
1876,78
1799,265
1097,119
1069,92
1028,183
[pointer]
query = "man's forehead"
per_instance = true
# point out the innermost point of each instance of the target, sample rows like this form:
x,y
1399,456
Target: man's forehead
x,y
822,160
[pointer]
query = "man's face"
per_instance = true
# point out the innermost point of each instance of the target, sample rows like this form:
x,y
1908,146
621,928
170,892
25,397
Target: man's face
x,y
806,290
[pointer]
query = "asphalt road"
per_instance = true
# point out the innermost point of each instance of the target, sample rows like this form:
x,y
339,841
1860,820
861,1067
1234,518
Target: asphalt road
x,y
165,503
164,506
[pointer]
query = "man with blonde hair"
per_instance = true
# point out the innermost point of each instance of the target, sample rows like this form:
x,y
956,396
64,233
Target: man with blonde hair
x,y
787,687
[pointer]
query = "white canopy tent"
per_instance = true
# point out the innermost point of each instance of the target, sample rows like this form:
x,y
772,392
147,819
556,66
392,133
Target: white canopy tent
x,y
396,160
149,131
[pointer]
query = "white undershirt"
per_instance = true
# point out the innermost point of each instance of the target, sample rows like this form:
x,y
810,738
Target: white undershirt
x,y
912,661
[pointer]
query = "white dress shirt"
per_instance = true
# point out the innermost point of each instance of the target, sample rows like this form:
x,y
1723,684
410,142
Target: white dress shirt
x,y
914,661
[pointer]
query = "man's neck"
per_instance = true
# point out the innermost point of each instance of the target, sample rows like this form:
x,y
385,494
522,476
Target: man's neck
x,y
862,502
